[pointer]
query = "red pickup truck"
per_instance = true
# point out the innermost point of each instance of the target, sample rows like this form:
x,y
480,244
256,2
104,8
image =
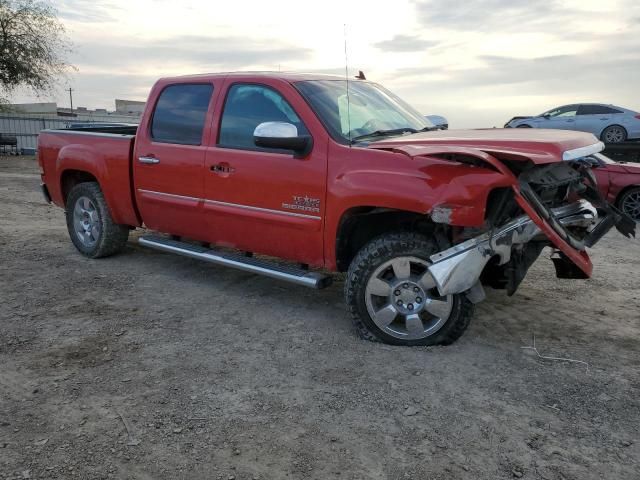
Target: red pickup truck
x,y
334,175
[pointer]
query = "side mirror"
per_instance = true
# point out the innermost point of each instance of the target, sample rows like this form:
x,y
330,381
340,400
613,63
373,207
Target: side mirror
x,y
439,122
284,136
546,115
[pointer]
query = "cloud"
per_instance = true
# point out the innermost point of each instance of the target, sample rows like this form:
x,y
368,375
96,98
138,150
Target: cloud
x,y
405,43
190,51
489,15
84,11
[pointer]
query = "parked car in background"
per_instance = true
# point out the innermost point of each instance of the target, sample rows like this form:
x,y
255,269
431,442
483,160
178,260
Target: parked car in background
x,y
609,123
619,183
439,122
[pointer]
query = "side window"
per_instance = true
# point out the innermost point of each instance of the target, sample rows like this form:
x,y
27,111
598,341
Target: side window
x,y
180,114
596,110
609,110
246,107
566,111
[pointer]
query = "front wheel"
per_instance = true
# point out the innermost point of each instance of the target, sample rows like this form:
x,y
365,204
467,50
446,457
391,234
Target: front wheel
x,y
89,222
393,298
629,203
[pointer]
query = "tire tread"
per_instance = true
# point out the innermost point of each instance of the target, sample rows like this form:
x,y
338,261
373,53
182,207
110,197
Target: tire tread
x,y
113,236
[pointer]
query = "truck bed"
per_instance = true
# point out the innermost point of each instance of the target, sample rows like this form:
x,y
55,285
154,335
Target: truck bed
x,y
101,154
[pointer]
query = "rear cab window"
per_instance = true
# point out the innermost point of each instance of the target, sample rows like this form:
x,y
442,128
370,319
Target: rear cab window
x,y
180,113
246,107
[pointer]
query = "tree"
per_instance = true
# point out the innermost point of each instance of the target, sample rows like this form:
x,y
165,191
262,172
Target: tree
x,y
33,46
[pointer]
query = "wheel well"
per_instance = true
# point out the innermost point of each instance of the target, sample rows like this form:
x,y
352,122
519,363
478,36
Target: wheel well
x,y
524,125
623,191
361,224
70,178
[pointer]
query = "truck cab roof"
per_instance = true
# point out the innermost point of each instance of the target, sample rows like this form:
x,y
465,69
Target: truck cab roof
x,y
254,75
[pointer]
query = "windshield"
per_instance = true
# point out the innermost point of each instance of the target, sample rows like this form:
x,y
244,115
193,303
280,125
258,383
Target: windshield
x,y
371,109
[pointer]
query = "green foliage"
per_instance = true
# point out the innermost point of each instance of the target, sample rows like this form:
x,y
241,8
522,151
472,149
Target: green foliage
x,y
33,46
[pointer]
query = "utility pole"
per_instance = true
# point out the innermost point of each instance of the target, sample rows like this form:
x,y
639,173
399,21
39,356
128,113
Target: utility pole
x,y
71,98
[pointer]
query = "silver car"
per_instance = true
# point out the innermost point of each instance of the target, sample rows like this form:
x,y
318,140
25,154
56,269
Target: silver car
x,y
609,123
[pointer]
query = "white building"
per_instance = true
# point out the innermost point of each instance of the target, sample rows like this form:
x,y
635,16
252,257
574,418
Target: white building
x,y
26,120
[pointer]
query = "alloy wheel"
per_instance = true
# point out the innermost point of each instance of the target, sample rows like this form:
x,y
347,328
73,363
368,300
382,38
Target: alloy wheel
x,y
614,135
403,301
631,205
86,222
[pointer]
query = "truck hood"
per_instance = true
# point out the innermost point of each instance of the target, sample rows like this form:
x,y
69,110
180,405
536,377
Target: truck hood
x,y
538,145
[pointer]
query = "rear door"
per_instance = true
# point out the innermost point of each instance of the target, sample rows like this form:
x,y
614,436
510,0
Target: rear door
x,y
260,199
169,157
595,118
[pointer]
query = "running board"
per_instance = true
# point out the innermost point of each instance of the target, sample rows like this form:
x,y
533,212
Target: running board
x,y
238,261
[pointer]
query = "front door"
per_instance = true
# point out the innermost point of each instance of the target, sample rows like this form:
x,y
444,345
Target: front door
x,y
259,199
563,118
169,159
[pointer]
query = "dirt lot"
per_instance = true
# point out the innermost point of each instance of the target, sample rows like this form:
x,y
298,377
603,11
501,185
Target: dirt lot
x,y
147,365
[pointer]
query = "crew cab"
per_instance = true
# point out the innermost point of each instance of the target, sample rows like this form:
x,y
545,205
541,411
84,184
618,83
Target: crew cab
x,y
299,176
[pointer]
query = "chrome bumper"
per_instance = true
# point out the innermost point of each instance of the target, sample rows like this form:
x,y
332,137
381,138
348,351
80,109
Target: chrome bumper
x,y
458,268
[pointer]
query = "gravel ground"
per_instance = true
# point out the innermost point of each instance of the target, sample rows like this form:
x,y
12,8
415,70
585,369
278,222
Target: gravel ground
x,y
147,365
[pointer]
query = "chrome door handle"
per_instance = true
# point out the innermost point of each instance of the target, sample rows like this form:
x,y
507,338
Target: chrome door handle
x,y
149,160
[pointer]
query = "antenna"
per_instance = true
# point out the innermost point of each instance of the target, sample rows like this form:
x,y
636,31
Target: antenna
x,y
70,90
346,76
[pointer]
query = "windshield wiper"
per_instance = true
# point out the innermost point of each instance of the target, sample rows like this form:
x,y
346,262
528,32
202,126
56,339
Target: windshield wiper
x,y
384,133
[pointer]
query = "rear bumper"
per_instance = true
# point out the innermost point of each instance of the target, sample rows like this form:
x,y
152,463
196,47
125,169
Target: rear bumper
x,y
458,268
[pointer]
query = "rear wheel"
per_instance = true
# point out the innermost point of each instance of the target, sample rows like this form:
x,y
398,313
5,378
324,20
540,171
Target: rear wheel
x,y
614,134
393,297
629,203
89,222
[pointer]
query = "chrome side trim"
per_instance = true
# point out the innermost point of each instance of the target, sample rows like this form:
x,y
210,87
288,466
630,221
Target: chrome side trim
x,y
236,205
171,195
251,265
260,209
582,151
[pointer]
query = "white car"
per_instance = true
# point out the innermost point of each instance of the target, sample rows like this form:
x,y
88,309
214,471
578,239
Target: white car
x,y
609,123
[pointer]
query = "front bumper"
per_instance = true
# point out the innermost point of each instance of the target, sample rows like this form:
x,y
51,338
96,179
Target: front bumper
x,y
458,268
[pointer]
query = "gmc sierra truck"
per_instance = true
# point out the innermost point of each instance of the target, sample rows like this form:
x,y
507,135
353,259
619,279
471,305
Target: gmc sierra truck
x,y
317,174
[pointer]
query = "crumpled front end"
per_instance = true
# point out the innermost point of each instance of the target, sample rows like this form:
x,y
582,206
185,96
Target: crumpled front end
x,y
459,268
555,205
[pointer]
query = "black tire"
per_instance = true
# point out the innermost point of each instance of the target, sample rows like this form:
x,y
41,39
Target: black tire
x,y
370,259
629,203
524,126
614,134
111,237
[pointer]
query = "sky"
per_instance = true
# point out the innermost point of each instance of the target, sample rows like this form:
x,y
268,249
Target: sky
x,y
476,62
